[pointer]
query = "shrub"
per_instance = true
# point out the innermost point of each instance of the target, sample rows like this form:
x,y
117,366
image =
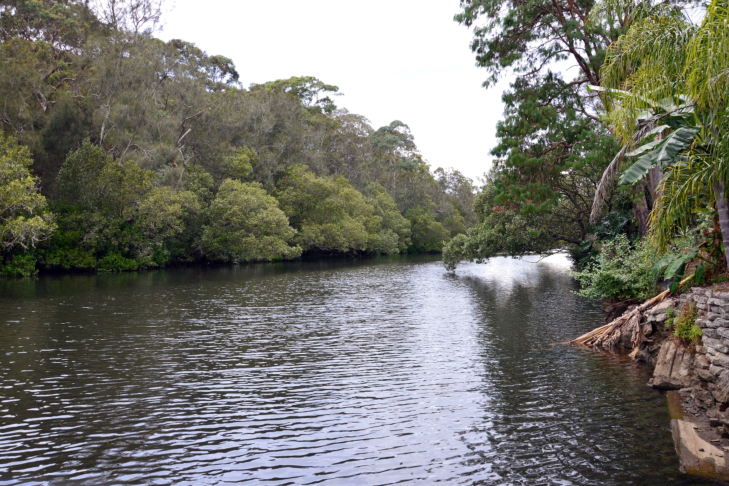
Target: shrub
x,y
685,326
671,314
117,263
19,265
620,272
247,225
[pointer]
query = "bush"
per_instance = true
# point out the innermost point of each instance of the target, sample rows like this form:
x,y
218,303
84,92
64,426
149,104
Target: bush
x,y
332,216
685,326
117,263
246,225
428,234
19,265
620,272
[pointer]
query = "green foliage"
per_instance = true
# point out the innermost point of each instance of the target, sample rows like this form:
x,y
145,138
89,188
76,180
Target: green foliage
x,y
673,267
620,272
685,327
671,317
662,154
395,230
429,235
19,265
332,216
308,89
502,230
134,139
24,219
114,263
245,225
78,179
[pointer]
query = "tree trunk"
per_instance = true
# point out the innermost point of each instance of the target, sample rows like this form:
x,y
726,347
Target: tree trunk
x,y
722,207
655,176
640,208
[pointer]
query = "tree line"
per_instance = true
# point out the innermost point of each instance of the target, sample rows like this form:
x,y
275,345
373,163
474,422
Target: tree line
x,y
119,151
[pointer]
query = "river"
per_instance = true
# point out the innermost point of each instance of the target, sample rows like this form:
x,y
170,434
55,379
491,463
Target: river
x,y
377,371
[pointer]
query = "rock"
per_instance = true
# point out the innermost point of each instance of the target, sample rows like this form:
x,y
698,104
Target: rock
x,y
703,398
705,375
712,333
722,333
701,362
721,393
647,328
696,454
711,316
720,359
673,369
719,323
661,307
715,344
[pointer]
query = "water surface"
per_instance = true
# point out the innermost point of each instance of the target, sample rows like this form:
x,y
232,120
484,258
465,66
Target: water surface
x,y
333,372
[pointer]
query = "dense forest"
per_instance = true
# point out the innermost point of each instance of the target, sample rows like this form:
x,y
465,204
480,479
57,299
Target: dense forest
x,y
119,151
623,159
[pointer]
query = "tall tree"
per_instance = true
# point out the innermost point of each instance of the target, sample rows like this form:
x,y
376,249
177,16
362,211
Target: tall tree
x,y
552,147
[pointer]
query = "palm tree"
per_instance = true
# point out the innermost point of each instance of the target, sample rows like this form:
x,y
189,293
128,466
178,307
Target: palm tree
x,y
667,75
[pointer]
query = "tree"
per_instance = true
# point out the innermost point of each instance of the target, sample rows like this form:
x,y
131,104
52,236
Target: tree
x,y
503,230
676,72
553,149
24,218
311,91
246,225
332,216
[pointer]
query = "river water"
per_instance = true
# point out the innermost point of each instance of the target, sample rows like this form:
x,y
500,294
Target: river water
x,y
379,371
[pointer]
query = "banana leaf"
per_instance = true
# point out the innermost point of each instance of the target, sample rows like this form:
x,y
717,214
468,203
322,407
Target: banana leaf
x,y
666,153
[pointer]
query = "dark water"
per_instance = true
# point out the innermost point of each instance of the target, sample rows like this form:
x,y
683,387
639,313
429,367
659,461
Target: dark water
x,y
375,372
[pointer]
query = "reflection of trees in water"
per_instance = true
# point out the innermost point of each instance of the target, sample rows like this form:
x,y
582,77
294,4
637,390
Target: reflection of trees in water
x,y
558,410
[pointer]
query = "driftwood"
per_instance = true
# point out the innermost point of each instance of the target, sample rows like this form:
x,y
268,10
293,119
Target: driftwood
x,y
608,335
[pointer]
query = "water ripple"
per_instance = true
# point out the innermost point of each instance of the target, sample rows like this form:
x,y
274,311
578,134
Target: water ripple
x,y
379,372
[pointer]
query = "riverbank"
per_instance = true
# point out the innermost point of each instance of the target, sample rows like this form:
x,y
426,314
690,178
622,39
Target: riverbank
x,y
697,375
307,257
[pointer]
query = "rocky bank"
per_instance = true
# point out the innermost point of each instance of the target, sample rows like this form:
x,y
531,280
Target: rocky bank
x,y
699,373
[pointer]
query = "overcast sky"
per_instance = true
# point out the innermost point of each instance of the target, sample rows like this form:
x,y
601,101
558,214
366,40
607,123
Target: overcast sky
x,y
393,60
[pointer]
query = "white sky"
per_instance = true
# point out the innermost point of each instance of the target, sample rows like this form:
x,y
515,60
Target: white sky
x,y
393,60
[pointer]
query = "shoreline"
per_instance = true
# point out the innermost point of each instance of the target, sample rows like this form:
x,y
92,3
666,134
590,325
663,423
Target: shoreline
x,y
312,258
695,377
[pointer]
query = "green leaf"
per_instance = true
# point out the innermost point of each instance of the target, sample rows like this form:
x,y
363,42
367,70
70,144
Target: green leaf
x,y
665,154
644,148
639,169
676,283
656,130
700,274
674,145
679,263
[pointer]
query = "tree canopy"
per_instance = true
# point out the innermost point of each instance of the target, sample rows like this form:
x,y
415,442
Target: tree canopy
x,y
137,145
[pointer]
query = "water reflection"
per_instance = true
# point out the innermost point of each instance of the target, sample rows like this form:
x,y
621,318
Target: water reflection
x,y
363,372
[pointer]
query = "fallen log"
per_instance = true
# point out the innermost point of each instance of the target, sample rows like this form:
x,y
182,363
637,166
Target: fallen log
x,y
608,335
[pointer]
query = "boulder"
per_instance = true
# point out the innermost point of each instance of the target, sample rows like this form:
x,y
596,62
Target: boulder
x,y
673,367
